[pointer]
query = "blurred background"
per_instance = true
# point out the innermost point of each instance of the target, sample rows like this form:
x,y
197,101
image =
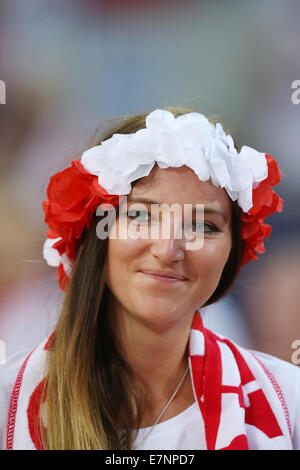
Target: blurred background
x,y
68,65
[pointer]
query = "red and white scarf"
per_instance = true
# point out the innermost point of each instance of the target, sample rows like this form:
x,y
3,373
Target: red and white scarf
x,y
240,401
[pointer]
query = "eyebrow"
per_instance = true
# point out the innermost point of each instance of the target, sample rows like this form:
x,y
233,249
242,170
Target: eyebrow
x,y
207,210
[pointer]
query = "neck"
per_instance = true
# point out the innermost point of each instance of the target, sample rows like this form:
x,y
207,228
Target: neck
x,y
158,358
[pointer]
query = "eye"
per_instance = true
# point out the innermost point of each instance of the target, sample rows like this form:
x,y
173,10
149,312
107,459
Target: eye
x,y
134,214
212,227
143,216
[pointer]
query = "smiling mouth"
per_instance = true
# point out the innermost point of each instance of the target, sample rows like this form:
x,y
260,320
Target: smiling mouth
x,y
164,278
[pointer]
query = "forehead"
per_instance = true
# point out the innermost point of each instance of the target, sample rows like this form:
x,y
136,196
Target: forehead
x,y
180,185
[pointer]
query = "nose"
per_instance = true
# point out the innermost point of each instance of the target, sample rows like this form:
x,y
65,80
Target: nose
x,y
171,246
168,250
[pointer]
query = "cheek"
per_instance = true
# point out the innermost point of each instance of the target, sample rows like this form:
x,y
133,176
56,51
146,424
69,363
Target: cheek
x,y
121,256
211,260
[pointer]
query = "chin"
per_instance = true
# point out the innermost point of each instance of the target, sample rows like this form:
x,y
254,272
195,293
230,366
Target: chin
x,y
158,316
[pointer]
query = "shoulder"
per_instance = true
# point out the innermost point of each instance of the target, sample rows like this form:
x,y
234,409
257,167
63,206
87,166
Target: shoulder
x,y
8,376
19,377
287,374
279,381
286,377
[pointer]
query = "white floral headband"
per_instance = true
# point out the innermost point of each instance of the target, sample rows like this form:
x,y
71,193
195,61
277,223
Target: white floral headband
x,y
107,171
189,140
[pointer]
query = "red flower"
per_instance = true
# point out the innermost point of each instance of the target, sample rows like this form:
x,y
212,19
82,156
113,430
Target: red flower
x,y
73,196
265,203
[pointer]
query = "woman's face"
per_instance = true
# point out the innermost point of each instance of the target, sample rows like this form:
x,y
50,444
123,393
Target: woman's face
x,y
155,302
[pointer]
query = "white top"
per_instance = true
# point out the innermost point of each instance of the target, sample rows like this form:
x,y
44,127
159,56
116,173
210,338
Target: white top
x,y
184,431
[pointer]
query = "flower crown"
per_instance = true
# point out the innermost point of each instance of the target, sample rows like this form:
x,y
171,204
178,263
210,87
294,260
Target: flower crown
x,y
105,172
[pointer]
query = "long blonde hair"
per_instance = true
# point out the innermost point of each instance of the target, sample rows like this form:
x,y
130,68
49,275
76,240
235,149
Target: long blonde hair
x,y
90,388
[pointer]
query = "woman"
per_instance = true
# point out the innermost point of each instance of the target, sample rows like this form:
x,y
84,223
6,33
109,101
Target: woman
x,y
130,364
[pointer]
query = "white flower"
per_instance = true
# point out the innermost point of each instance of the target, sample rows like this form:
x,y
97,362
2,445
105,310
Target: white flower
x,y
50,254
53,258
189,140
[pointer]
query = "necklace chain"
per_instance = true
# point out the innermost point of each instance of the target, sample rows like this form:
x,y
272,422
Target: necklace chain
x,y
165,407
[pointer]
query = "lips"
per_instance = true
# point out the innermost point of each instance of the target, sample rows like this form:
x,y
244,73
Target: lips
x,y
165,275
